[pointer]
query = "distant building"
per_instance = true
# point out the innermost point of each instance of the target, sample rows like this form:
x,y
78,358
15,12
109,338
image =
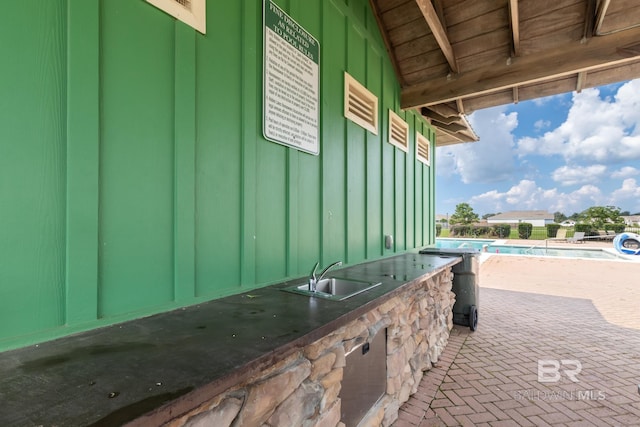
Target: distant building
x,y
442,220
632,220
536,218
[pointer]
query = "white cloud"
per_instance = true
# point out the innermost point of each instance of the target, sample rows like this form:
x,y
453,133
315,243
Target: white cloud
x,y
539,102
574,175
626,197
526,195
488,160
625,172
601,130
541,124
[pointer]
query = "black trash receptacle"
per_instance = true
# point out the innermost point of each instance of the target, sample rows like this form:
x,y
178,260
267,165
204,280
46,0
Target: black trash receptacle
x,y
465,284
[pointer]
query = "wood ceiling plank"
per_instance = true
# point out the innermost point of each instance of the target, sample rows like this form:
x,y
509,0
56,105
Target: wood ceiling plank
x,y
464,11
499,40
409,31
555,63
432,66
495,20
419,75
619,17
554,23
546,41
399,16
416,47
386,5
540,9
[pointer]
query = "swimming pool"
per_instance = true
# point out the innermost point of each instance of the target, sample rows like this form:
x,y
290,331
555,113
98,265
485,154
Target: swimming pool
x,y
497,247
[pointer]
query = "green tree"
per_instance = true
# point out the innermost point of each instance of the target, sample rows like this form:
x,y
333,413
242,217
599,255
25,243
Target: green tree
x,y
463,215
558,217
485,216
598,216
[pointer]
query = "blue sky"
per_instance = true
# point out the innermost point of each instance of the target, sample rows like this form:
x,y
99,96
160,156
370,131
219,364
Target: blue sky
x,y
562,153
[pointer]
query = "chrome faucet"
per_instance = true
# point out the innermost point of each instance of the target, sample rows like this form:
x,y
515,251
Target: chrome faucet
x,y
313,280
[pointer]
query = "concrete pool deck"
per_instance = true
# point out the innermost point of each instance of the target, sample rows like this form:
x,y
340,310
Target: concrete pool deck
x,y
533,309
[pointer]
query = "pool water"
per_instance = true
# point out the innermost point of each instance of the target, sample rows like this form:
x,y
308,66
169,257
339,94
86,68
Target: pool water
x,y
462,243
493,247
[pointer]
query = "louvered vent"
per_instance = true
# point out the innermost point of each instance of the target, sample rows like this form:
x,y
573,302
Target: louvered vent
x,y
398,132
191,12
360,105
423,149
184,3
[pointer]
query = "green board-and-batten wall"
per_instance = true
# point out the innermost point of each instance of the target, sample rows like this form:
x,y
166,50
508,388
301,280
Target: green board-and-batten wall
x,y
134,177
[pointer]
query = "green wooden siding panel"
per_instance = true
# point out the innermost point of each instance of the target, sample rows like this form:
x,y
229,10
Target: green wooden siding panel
x,y
185,147
32,166
136,158
388,167
333,134
373,211
271,212
83,147
251,71
409,179
356,157
308,183
219,153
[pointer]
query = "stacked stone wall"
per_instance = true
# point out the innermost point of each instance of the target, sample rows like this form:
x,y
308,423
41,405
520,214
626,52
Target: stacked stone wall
x,y
304,388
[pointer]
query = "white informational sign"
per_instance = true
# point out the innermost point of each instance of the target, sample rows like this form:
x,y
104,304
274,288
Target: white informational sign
x,y
291,97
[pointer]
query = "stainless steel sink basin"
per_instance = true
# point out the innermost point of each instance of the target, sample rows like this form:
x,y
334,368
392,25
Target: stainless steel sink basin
x,y
334,288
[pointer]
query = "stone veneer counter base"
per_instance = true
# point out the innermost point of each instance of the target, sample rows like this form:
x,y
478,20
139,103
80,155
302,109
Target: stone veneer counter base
x,y
262,358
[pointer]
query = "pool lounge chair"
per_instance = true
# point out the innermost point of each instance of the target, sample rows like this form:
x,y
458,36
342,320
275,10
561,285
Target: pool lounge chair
x,y
578,237
561,234
604,235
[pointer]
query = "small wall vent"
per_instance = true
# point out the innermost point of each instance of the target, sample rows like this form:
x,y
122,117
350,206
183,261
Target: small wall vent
x,y
423,149
398,132
191,12
360,105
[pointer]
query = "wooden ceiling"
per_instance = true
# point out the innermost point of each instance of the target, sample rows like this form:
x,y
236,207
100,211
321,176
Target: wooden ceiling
x,y
453,57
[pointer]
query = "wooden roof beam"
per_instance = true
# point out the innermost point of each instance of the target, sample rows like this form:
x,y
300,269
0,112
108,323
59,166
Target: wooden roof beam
x,y
589,20
431,16
515,26
570,58
602,11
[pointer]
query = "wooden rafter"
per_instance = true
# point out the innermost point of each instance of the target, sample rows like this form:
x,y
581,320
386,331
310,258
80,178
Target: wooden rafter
x,y
582,78
589,20
602,11
439,32
515,26
566,59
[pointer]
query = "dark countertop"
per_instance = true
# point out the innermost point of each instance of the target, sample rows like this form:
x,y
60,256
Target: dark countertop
x,y
115,374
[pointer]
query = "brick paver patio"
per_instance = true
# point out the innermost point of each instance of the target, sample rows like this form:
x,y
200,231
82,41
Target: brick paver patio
x,y
531,309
